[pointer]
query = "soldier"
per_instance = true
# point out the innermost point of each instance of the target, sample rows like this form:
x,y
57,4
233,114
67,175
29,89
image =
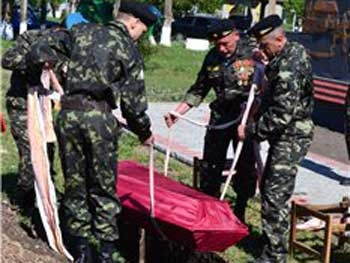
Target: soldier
x,y
285,122
16,104
104,65
220,71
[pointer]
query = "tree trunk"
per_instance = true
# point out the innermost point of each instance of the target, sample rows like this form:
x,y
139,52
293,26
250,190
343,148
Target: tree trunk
x,y
23,24
53,8
73,6
166,29
6,10
272,7
42,12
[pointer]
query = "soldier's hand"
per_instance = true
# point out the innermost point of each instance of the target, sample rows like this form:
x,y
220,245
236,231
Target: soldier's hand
x,y
170,119
241,132
149,141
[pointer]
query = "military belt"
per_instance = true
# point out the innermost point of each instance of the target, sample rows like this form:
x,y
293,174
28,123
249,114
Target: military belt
x,y
84,104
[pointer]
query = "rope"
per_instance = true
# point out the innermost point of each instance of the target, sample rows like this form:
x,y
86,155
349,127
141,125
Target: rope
x,y
201,124
205,125
151,179
167,155
151,192
240,143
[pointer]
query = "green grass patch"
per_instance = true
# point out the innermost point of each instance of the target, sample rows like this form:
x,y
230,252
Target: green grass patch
x,y
170,72
5,44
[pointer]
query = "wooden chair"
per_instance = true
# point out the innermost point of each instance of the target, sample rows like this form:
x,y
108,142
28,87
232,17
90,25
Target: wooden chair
x,y
326,213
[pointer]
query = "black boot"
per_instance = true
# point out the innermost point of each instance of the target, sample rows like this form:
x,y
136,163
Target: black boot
x,y
108,253
80,250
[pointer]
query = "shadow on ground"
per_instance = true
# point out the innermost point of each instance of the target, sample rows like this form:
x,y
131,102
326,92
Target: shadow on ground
x,y
160,251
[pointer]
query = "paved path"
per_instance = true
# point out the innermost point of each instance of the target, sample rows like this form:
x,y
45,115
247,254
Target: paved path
x,y
318,176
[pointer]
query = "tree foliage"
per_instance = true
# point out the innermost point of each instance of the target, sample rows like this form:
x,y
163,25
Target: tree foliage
x,y
183,6
296,5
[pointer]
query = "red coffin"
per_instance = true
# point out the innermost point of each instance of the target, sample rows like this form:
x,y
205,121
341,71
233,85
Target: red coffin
x,y
191,218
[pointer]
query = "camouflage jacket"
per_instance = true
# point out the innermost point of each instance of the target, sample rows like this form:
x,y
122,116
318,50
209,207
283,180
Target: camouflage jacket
x,y
104,64
14,59
287,103
221,74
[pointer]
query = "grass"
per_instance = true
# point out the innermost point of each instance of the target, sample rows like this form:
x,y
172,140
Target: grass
x,y
169,73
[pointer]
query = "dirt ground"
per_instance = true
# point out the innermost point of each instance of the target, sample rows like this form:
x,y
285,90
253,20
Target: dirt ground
x,y
17,246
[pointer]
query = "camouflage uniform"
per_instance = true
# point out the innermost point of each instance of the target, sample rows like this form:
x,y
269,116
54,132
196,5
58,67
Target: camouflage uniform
x,y
218,72
347,121
286,123
105,65
16,104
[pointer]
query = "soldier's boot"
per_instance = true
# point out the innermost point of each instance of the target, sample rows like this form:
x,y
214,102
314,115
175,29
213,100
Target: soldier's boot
x,y
240,207
80,250
26,205
108,253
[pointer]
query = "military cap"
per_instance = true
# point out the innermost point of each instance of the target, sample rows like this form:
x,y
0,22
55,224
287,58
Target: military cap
x,y
220,29
265,26
142,11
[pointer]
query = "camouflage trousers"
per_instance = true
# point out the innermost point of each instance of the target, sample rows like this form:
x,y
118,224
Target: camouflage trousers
x,y
214,158
276,190
88,151
17,112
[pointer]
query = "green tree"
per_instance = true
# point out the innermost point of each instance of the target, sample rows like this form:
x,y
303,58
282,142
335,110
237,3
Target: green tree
x,y
296,5
292,7
182,6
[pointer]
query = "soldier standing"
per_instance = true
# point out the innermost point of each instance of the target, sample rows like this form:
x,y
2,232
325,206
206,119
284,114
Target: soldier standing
x,y
16,104
104,65
221,72
285,122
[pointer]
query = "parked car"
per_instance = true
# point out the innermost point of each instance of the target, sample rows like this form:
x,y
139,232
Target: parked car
x,y
194,26
242,22
33,21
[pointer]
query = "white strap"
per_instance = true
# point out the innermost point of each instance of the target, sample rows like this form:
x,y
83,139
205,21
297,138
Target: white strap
x,y
167,154
205,125
151,179
180,116
240,143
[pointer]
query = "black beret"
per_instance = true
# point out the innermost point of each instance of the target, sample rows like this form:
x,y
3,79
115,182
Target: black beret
x,y
220,29
265,26
142,11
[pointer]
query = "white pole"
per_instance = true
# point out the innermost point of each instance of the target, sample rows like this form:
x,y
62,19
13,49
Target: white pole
x,y
23,23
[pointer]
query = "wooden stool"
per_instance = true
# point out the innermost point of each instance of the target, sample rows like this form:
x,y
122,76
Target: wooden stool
x,y
327,214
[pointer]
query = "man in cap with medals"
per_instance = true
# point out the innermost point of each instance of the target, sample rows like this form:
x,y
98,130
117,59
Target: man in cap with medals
x,y
222,71
285,122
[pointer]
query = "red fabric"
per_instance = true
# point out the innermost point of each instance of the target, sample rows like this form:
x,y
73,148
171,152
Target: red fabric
x,y
189,217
